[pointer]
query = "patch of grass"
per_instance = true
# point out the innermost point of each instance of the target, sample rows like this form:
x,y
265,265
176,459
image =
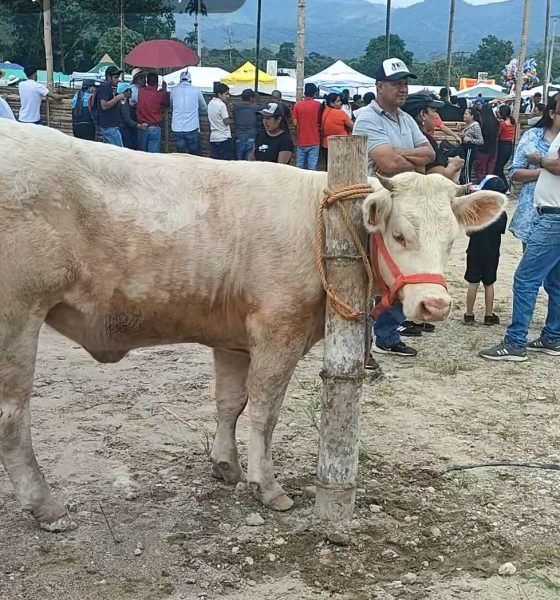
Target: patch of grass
x,y
545,580
448,366
365,453
544,555
464,480
311,409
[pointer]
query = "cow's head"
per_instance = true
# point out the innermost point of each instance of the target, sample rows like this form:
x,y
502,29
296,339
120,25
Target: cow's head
x,y
420,216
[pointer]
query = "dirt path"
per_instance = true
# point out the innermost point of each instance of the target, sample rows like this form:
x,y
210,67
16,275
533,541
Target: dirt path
x,y
107,446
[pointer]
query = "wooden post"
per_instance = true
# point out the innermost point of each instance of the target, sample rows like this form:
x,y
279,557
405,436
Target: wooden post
x,y
522,56
300,50
388,30
47,34
546,50
343,362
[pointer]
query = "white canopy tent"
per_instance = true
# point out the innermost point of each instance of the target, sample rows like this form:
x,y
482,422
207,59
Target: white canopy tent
x,y
340,76
552,89
202,77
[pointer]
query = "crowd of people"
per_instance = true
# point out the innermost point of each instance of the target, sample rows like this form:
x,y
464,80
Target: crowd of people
x,y
400,135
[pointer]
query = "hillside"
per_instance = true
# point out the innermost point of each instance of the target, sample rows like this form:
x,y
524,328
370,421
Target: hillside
x,y
342,29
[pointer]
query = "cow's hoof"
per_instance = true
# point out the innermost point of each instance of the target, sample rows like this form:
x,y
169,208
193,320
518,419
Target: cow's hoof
x,y
276,498
280,503
65,523
230,473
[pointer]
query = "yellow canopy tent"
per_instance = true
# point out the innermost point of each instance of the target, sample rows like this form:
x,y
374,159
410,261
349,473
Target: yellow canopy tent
x,y
244,78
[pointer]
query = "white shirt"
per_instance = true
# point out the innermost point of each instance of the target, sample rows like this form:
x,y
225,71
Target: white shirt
x,y
547,190
31,95
5,110
187,102
217,112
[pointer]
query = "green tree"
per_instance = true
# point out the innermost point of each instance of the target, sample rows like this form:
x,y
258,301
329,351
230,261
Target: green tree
x,y
286,55
7,38
539,57
374,54
433,72
315,62
110,42
492,55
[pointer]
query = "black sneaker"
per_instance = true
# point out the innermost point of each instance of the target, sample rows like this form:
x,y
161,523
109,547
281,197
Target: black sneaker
x,y
400,349
426,327
468,319
491,320
504,351
540,345
409,329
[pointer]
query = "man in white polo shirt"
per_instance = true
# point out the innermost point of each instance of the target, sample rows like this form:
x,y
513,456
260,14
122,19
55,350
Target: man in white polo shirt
x,y
395,145
31,94
540,264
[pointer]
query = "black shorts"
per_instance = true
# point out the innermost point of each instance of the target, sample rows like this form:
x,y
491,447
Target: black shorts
x,y
481,269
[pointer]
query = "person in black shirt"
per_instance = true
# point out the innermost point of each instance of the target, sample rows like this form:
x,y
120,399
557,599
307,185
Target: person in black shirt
x,y
449,111
483,256
107,107
274,144
423,109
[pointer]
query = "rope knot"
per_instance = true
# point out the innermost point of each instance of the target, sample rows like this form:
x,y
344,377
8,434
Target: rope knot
x,y
350,192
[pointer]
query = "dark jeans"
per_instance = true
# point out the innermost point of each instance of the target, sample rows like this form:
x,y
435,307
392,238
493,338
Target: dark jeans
x,y
470,155
222,150
129,137
84,131
188,142
149,139
505,150
244,148
484,164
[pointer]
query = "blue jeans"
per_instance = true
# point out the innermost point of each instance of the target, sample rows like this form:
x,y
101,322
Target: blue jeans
x,y
244,148
385,326
112,135
311,153
188,142
539,265
149,139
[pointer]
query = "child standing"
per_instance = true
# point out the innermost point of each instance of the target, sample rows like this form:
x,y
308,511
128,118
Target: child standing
x,y
483,256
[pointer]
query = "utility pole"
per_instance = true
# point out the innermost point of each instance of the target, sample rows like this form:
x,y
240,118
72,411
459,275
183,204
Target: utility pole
x,y
546,50
388,30
548,75
522,56
47,34
122,35
258,47
300,50
198,33
450,44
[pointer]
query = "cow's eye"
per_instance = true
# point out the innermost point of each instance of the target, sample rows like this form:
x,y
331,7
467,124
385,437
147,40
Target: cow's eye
x,y
399,238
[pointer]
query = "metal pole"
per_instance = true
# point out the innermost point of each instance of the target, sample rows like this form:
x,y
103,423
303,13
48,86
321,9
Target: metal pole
x,y
388,30
258,47
122,35
300,53
450,44
522,56
546,50
344,353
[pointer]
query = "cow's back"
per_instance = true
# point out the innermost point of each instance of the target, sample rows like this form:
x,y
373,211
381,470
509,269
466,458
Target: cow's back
x,y
161,247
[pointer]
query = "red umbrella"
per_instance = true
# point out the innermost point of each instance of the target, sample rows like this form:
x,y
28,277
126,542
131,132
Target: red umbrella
x,y
162,54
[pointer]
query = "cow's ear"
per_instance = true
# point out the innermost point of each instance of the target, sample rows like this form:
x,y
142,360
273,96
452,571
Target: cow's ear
x,y
478,210
376,208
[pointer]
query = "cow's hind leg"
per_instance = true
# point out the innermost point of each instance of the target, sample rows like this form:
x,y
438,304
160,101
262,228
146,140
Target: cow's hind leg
x,y
273,360
231,397
19,334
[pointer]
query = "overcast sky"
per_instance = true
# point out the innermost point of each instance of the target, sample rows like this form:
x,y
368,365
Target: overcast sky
x,y
397,3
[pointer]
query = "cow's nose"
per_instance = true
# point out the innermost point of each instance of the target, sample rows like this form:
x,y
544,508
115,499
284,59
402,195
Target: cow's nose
x,y
434,309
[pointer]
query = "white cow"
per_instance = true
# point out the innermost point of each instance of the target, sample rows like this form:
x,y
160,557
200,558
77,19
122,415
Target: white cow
x,y
118,249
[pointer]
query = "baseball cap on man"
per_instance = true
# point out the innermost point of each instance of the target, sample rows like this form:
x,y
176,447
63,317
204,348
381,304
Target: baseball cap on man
x,y
186,76
393,69
415,103
112,70
272,110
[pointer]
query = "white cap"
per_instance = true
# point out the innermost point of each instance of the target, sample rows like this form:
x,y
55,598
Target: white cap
x,y
186,76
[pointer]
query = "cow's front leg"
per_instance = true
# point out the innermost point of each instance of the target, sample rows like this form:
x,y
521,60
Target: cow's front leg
x,y
17,366
272,363
231,397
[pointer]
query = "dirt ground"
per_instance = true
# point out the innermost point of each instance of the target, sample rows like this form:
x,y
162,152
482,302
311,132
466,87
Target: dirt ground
x,y
153,524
